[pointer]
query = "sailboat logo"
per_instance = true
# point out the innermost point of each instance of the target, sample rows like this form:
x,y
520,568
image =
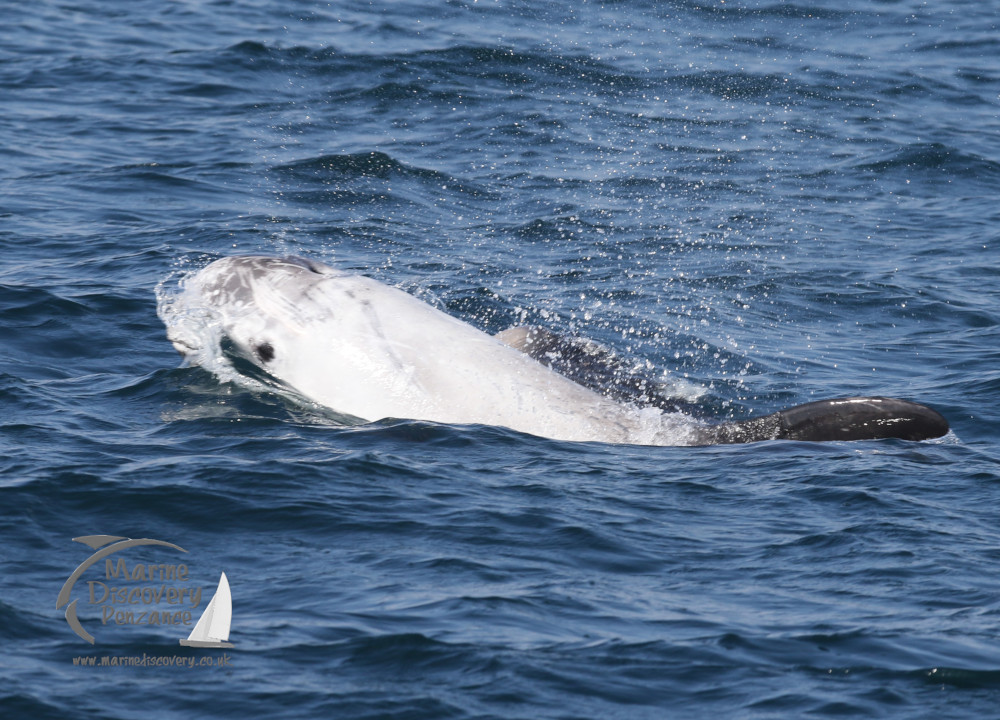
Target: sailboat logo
x,y
212,630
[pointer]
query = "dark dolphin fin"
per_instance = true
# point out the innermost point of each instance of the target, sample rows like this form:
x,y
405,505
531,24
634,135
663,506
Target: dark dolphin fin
x,y
594,366
852,418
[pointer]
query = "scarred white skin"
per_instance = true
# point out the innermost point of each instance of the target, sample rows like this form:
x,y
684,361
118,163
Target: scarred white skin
x,y
372,351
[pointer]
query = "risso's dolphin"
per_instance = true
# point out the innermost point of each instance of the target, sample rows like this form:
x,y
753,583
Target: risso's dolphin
x,y
372,351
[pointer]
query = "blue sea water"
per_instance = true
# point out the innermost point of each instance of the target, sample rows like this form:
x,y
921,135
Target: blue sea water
x,y
770,202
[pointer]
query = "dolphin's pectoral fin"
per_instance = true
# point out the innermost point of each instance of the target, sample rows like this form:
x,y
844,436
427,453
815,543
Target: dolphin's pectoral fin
x,y
853,418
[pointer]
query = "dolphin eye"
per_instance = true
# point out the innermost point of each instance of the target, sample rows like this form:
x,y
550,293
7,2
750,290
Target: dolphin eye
x,y
265,351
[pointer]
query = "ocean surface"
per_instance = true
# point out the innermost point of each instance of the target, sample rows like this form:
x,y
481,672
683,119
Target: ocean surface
x,y
766,202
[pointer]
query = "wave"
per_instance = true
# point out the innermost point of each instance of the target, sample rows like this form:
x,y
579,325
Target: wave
x,y
917,157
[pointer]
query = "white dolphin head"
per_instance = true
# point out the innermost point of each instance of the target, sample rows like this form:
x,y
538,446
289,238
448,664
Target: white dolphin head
x,y
245,302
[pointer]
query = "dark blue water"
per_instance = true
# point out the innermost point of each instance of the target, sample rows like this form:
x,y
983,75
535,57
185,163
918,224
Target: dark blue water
x,y
772,203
